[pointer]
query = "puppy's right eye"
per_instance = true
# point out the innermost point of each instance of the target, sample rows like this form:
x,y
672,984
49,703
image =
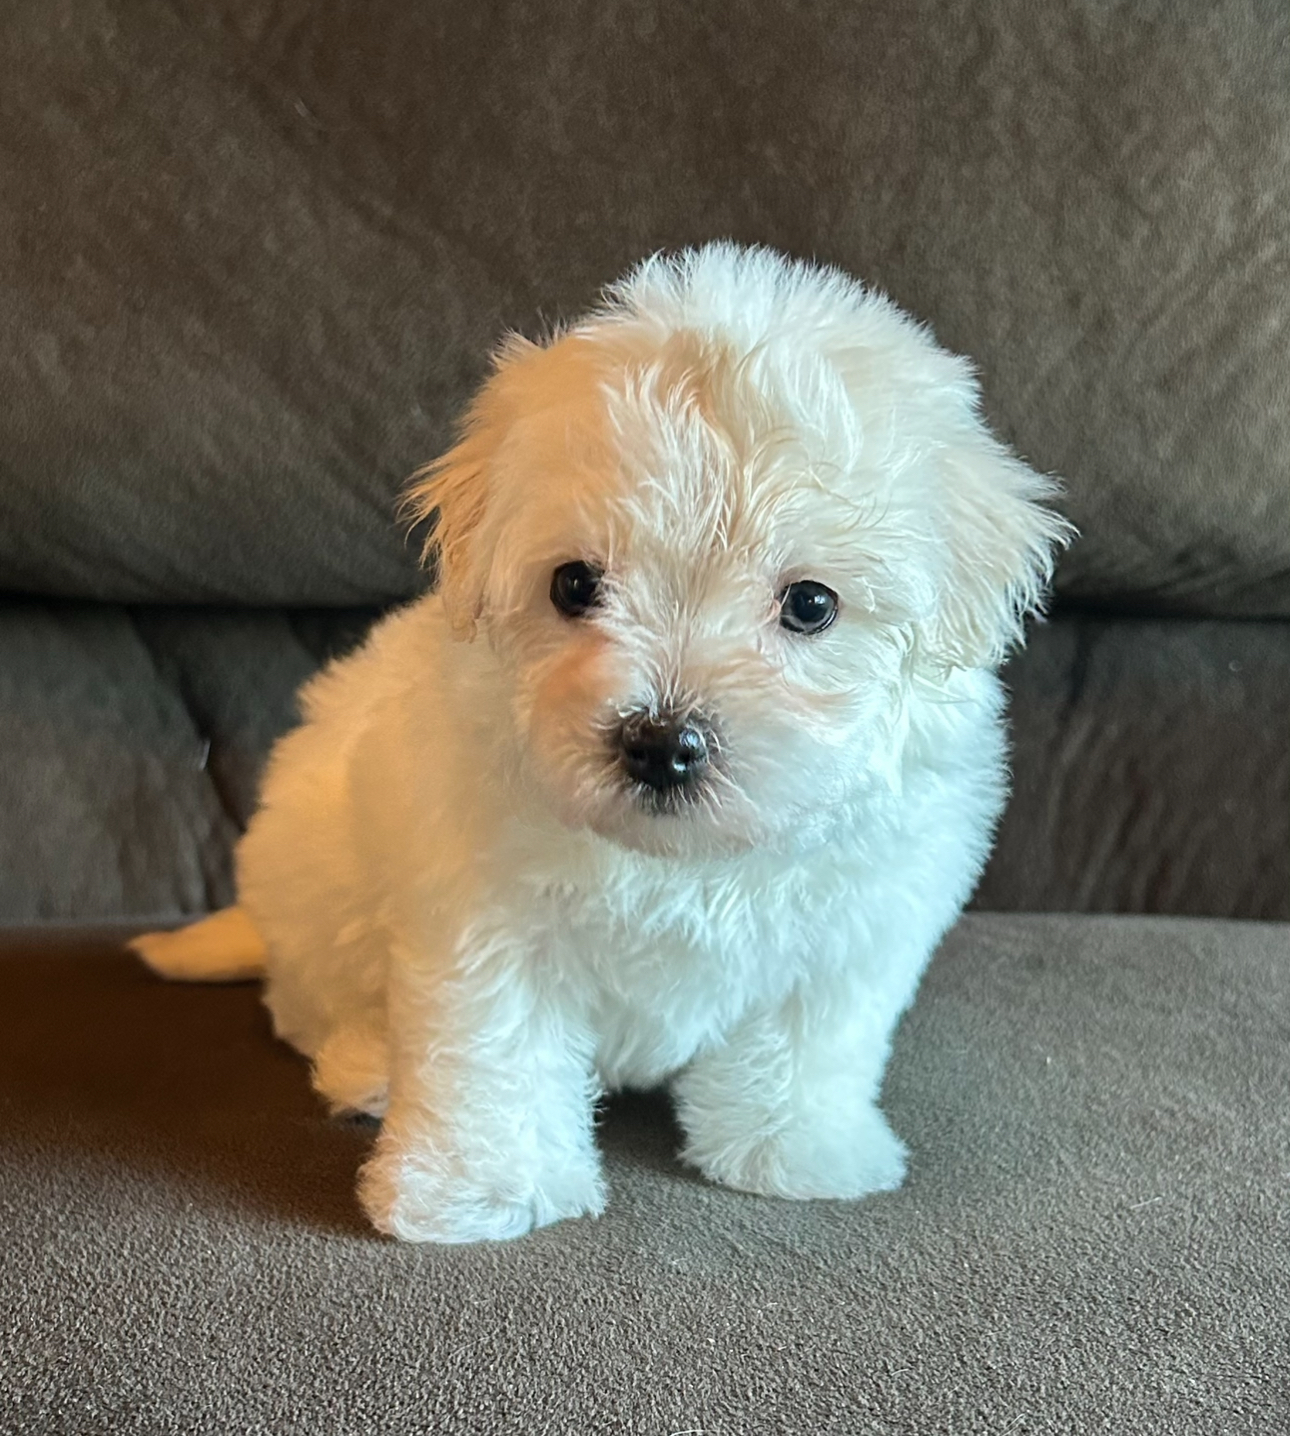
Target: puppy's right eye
x,y
575,587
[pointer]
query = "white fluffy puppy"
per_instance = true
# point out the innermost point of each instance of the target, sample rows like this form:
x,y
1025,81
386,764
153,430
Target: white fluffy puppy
x,y
679,777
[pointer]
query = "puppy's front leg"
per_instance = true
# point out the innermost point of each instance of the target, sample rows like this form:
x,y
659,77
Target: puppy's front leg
x,y
787,1105
489,1128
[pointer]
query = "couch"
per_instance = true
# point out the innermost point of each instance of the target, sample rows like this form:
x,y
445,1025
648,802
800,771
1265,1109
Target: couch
x,y
254,257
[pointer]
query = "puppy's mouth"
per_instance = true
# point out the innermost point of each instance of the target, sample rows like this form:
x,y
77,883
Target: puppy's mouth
x,y
668,760
674,802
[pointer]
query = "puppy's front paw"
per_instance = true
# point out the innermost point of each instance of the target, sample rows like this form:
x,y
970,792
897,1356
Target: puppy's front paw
x,y
423,1197
843,1154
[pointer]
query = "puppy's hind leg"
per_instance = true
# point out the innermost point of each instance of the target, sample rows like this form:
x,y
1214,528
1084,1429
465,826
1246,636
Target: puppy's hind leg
x,y
352,1070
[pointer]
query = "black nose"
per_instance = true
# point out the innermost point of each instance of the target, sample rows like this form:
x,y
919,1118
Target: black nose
x,y
663,751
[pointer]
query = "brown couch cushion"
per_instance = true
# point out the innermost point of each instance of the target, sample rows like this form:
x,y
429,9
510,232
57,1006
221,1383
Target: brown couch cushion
x,y
254,254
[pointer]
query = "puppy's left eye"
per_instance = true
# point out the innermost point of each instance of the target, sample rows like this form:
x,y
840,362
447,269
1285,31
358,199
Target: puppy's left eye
x,y
575,587
807,607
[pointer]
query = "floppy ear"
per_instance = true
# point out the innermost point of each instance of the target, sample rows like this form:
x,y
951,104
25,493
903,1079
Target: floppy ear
x,y
452,494
1000,540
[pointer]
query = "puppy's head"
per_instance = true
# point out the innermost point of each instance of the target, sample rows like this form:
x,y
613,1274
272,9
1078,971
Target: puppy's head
x,y
715,531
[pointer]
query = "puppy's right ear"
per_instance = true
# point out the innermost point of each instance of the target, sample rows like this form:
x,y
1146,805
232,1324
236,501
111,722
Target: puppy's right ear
x,y
453,493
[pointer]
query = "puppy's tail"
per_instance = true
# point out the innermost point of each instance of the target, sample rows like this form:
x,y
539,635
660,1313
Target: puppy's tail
x,y
224,947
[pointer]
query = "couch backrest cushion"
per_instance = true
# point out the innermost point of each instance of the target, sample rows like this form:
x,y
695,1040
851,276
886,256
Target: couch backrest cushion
x,y
254,255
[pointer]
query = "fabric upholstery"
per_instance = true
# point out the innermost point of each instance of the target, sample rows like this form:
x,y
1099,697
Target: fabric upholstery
x,y
1151,770
1151,766
132,743
256,251
1092,1237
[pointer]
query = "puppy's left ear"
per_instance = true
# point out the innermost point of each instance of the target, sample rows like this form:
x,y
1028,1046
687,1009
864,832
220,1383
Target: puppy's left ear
x,y
1000,540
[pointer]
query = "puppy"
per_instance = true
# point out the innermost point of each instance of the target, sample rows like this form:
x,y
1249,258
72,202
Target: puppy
x,y
680,775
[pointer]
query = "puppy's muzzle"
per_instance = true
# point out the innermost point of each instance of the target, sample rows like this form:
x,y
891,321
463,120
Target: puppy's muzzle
x,y
665,753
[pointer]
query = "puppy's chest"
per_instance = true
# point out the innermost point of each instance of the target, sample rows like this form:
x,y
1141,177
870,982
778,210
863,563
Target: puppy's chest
x,y
668,968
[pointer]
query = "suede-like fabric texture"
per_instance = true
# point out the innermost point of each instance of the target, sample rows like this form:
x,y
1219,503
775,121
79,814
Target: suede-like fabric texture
x,y
1092,1237
1151,770
255,252
1151,763
132,744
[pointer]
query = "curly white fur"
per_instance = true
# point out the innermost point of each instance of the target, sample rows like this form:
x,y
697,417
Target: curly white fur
x,y
474,926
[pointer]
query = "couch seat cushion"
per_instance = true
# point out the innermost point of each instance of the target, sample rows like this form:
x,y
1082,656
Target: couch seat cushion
x,y
1092,1236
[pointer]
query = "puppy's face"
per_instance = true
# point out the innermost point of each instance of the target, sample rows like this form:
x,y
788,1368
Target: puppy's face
x,y
711,569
